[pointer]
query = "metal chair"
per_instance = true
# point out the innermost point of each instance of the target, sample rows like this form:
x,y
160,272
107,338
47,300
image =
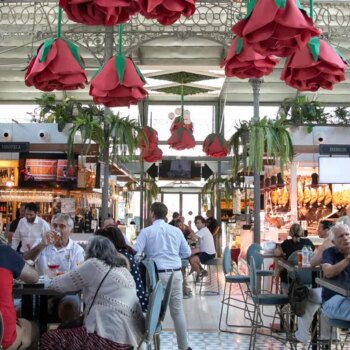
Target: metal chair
x,y
207,281
231,279
151,276
254,250
152,317
163,310
341,324
259,300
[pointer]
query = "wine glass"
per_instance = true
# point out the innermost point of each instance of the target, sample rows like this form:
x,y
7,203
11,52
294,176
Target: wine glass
x,y
53,264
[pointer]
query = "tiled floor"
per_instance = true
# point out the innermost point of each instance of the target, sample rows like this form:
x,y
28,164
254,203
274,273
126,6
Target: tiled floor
x,y
202,314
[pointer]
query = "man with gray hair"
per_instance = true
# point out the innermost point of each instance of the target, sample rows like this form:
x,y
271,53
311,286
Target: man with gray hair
x,y
335,266
59,249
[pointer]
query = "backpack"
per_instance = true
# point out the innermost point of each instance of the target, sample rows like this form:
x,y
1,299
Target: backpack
x,y
298,294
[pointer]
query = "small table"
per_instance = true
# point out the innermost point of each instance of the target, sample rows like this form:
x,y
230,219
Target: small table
x,y
41,294
290,267
340,288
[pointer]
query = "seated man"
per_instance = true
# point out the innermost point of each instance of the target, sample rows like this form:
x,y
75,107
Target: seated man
x,y
68,255
315,300
335,266
20,334
206,246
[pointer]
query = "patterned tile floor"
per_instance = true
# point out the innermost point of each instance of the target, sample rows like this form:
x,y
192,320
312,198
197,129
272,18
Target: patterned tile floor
x,y
224,341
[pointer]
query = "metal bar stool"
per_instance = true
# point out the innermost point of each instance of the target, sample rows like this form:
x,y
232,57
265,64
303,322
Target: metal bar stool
x,y
207,281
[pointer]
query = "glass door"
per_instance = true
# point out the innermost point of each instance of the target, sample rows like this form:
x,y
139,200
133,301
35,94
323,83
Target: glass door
x,y
172,201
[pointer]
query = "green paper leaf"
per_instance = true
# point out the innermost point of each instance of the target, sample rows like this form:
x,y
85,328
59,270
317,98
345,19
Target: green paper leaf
x,y
309,128
340,54
250,6
221,140
75,52
314,47
120,63
179,133
239,45
300,6
211,139
46,49
98,71
280,3
139,73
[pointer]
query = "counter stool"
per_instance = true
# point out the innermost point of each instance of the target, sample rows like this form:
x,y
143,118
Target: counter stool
x,y
207,281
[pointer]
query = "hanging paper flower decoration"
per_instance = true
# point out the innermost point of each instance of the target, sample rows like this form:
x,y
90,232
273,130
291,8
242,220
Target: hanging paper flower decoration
x,y
152,156
118,83
56,66
181,134
316,66
215,146
166,12
243,62
151,152
99,12
276,27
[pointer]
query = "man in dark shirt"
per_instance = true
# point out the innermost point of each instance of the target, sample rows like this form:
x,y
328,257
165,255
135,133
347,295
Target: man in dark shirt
x,y
335,266
176,215
212,223
21,333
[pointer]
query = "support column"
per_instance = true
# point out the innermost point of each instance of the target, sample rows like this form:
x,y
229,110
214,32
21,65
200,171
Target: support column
x,y
256,84
106,166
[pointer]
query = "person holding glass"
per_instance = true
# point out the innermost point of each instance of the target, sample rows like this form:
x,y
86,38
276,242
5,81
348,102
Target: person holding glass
x,y
57,254
113,317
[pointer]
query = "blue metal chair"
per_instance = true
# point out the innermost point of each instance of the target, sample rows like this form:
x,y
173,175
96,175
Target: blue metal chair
x,y
259,300
341,324
152,317
202,283
254,250
151,276
163,310
227,299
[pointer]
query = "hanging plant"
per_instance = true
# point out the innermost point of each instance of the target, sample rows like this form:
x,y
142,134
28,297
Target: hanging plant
x,y
215,146
119,82
151,190
318,65
122,136
266,137
243,62
57,65
276,27
216,184
166,12
99,12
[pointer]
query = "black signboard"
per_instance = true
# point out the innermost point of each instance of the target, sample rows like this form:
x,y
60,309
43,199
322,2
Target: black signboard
x,y
336,150
14,147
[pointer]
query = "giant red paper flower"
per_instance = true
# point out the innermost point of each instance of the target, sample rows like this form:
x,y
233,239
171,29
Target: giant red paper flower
x,y
316,66
215,146
243,62
57,66
166,12
276,27
181,134
99,12
119,83
152,156
152,138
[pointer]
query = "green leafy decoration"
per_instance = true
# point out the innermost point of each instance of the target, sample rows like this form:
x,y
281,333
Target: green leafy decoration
x,y
239,46
139,73
280,3
75,52
46,49
314,45
120,63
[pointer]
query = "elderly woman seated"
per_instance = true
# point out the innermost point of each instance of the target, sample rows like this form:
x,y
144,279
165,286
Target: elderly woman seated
x,y
113,318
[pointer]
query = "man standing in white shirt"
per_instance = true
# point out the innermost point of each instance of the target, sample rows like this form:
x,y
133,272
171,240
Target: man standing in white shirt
x,y
166,245
206,246
30,230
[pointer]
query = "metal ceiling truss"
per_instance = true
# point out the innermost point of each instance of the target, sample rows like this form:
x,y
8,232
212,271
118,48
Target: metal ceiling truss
x,y
33,21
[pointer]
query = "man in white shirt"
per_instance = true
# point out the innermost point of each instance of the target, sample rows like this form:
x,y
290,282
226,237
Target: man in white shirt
x,y
57,248
206,246
166,245
30,230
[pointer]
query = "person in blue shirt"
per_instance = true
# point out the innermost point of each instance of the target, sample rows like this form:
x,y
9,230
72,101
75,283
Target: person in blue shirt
x,y
166,245
335,266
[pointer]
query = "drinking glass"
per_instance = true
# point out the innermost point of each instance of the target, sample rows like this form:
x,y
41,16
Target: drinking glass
x,y
52,265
